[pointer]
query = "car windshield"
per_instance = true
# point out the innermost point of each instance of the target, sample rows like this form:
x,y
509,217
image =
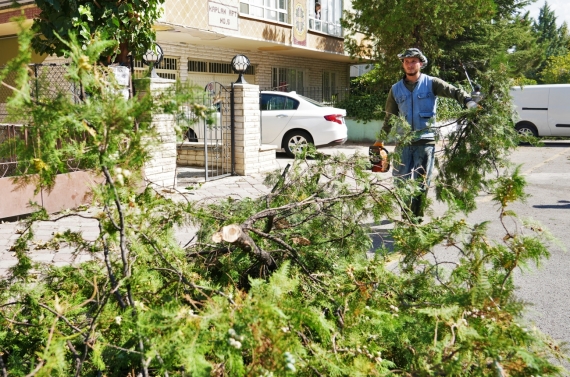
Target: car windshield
x,y
316,103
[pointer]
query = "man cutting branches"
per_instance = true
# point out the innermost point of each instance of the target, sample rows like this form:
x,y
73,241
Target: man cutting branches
x,y
414,98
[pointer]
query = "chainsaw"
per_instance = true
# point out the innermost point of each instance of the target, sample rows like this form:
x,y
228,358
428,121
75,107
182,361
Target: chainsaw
x,y
379,158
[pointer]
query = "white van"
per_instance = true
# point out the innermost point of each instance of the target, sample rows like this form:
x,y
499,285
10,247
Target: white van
x,y
543,110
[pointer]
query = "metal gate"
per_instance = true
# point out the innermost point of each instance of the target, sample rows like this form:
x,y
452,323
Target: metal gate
x,y
210,143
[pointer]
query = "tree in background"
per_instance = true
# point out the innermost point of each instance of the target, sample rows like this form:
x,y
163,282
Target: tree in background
x,y
554,40
476,35
128,23
390,26
505,40
556,70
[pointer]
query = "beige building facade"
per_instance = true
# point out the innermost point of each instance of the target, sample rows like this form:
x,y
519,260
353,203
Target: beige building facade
x,y
292,45
288,47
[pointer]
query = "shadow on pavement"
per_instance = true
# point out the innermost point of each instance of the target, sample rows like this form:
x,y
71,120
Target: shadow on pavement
x,y
549,144
563,204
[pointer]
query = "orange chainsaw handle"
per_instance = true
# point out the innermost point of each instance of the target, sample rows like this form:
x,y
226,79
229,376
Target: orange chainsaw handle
x,y
379,157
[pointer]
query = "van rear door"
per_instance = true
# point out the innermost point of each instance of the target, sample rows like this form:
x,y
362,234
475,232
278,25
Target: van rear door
x,y
559,111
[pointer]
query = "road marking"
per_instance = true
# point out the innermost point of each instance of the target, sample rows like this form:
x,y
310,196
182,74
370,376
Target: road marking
x,y
488,198
545,161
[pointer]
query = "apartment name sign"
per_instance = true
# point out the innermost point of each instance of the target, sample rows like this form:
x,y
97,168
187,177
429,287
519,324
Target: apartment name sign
x,y
222,15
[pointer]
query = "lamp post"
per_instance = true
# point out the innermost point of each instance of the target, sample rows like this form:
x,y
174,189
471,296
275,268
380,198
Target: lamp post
x,y
240,63
152,58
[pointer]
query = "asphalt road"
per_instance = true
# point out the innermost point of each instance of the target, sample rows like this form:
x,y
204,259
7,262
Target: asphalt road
x,y
545,288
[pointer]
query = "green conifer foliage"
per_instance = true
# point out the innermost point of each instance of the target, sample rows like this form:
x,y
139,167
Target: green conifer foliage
x,y
554,42
553,39
556,70
280,285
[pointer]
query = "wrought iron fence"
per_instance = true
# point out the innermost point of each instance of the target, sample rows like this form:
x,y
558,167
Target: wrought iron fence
x,y
8,161
46,81
209,146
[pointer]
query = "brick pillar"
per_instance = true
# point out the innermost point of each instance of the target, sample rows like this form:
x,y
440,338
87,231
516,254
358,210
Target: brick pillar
x,y
251,156
160,170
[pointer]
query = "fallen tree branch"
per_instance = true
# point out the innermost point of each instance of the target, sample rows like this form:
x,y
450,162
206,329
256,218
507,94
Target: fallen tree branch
x,y
292,250
310,200
181,276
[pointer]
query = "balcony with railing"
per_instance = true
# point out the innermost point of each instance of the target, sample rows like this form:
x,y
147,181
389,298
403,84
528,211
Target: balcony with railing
x,y
325,22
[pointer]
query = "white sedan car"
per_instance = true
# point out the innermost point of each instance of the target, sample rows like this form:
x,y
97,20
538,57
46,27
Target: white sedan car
x,y
288,120
291,121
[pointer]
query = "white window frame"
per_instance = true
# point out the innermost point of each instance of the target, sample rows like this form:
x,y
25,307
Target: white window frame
x,y
271,10
282,79
329,86
331,13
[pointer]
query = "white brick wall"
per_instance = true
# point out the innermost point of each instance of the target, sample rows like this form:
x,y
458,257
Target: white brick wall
x,y
263,62
160,170
250,156
253,159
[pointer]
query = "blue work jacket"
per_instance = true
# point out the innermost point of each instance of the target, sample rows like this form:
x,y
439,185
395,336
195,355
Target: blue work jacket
x,y
418,106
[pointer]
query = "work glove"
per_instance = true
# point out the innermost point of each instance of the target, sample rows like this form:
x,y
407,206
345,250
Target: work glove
x,y
471,105
476,94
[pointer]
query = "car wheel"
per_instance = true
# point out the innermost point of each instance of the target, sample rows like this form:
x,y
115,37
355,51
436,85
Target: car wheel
x,y
527,129
295,141
191,136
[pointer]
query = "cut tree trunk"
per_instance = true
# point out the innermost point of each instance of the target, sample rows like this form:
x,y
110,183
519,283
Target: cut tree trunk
x,y
235,235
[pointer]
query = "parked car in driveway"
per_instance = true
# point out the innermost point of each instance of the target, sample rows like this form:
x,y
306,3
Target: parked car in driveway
x,y
543,110
288,120
291,121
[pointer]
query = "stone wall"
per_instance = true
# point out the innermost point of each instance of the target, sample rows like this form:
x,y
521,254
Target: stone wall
x,y
161,169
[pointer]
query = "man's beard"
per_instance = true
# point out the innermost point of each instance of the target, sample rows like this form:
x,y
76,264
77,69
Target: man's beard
x,y
411,73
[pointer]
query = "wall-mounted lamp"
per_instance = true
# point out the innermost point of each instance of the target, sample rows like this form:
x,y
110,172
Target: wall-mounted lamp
x,y
153,57
240,63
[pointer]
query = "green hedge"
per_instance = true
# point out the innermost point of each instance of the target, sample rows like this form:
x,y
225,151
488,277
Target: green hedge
x,y
364,107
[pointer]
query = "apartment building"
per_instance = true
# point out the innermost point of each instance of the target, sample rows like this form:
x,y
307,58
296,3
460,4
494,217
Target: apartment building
x,y
291,44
